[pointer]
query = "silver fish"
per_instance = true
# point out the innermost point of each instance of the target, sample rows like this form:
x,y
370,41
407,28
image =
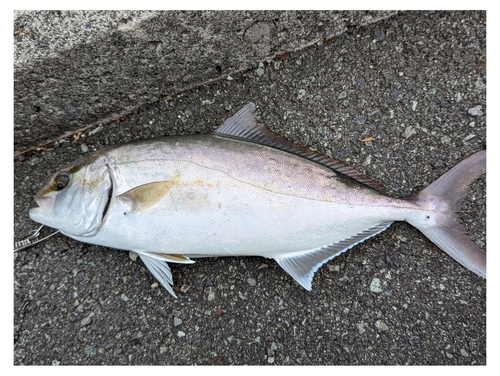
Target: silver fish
x,y
243,191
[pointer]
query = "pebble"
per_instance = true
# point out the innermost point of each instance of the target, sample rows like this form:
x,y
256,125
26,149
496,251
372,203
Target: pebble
x,y
177,321
408,132
84,148
446,140
90,351
381,326
209,294
475,111
333,268
361,327
361,120
93,131
480,85
251,281
375,285
469,137
87,319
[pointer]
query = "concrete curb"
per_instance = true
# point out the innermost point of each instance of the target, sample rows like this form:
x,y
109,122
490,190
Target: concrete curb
x,y
77,69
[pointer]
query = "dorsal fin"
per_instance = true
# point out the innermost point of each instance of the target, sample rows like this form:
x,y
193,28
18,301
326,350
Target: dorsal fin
x,y
244,125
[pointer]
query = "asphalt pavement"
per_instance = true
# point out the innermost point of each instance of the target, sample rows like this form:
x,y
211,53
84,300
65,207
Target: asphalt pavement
x,y
402,100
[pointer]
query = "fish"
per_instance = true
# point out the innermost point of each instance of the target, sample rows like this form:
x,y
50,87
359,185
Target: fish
x,y
243,190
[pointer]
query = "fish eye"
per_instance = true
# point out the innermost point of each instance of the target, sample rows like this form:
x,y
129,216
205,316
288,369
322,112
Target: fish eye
x,y
61,181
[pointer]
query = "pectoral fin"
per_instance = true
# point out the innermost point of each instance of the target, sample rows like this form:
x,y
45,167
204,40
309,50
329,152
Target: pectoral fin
x,y
178,259
143,197
302,265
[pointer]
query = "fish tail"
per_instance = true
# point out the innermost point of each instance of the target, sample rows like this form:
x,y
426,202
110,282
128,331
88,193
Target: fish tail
x,y
442,224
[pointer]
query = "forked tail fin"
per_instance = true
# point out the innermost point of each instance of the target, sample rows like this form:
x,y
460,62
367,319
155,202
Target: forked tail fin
x,y
445,195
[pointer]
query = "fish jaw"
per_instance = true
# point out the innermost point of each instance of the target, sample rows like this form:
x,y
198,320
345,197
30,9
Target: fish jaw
x,y
43,213
38,214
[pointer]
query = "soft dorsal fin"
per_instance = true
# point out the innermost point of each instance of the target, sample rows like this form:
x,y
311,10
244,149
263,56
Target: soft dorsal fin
x,y
245,126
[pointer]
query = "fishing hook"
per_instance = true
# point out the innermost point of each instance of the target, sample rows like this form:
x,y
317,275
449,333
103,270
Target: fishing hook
x,y
31,240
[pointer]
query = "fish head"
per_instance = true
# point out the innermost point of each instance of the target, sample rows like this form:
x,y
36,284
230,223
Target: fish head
x,y
76,198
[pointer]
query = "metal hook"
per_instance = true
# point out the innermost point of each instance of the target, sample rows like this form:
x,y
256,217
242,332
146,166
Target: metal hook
x,y
31,240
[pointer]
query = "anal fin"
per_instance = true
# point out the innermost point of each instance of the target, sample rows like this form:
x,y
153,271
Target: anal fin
x,y
302,265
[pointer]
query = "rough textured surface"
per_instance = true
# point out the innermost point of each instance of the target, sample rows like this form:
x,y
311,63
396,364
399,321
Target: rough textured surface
x,y
75,69
413,83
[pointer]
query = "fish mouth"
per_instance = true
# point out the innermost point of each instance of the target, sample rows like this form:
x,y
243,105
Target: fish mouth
x,y
43,210
38,215
45,203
